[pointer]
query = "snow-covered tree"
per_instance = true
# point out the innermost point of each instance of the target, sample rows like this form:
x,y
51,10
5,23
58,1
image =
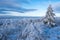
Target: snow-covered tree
x,y
49,18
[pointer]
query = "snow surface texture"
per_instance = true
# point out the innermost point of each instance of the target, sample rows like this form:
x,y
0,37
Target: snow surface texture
x,y
27,29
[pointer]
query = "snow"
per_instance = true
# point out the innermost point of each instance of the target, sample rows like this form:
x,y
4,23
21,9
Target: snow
x,y
28,28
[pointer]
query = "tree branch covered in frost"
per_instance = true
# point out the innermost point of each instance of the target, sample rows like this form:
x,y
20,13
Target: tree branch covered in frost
x,y
26,29
23,29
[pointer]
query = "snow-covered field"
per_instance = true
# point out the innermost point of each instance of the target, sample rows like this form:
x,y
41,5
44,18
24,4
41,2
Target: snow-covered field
x,y
27,28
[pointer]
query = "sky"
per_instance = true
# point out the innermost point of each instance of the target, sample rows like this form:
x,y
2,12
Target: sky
x,y
28,7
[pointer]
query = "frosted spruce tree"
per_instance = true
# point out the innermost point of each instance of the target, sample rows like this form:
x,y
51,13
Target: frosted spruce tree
x,y
49,18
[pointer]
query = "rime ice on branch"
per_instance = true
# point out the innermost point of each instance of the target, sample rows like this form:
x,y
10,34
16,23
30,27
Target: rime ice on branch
x,y
49,18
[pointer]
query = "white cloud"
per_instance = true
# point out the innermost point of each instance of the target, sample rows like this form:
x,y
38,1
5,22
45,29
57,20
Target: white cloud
x,y
56,7
34,13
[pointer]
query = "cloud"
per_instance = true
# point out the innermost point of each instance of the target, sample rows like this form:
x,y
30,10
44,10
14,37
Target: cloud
x,y
21,10
14,5
56,7
32,14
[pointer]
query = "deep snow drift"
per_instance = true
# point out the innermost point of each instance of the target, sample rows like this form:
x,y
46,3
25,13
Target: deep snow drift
x,y
27,28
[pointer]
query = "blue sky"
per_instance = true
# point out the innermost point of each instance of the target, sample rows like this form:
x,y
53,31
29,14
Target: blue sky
x,y
28,7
